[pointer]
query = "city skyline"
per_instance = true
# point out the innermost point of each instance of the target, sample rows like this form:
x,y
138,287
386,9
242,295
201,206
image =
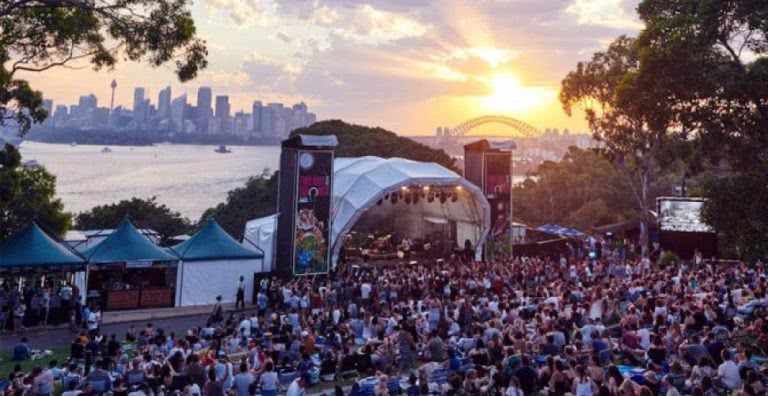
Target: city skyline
x,y
408,66
175,114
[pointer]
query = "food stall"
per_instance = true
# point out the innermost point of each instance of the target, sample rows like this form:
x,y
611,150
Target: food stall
x,y
32,257
128,271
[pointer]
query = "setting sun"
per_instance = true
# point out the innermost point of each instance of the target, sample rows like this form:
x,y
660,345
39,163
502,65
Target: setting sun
x,y
508,94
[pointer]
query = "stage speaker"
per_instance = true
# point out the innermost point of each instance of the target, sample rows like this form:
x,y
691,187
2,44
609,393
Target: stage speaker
x,y
304,202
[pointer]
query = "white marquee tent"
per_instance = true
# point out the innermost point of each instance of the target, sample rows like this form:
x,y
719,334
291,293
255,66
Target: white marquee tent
x,y
359,184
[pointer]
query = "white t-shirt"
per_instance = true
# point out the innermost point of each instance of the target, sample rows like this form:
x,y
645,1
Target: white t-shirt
x,y
269,380
729,374
645,337
365,290
93,320
295,389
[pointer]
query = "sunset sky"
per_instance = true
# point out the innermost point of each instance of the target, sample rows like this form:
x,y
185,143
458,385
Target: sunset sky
x,y
406,65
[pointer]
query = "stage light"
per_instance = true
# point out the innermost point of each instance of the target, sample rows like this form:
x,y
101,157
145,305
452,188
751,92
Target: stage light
x,y
403,188
425,188
459,188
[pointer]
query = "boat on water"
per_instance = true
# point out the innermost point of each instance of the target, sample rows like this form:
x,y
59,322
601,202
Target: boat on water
x,y
73,144
106,149
222,149
29,164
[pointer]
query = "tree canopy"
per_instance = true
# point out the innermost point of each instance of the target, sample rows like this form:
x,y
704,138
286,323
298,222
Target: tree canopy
x,y
358,141
582,190
714,57
37,35
28,193
145,213
628,107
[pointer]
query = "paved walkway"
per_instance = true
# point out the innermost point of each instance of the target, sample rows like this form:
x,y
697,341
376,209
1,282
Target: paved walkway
x,y
176,320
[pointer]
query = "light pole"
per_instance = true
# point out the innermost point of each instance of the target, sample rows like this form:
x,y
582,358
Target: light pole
x,y
511,202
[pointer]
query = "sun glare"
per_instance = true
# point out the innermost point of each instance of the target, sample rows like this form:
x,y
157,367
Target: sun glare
x,y
507,94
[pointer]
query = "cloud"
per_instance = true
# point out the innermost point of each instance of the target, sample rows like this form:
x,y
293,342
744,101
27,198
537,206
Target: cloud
x,y
609,13
245,12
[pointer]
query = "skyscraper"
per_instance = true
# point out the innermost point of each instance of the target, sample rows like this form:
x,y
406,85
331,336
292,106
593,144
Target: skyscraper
x,y
256,114
267,121
203,109
178,110
164,103
222,106
139,110
48,106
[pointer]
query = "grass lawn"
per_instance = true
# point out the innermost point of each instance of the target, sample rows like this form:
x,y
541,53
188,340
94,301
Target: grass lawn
x,y
6,365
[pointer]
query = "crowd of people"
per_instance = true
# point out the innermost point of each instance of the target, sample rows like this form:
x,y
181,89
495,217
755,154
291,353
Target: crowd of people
x,y
600,324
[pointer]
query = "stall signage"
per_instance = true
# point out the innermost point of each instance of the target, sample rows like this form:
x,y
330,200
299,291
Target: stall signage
x,y
138,264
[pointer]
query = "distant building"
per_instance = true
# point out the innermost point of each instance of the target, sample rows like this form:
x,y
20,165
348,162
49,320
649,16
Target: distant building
x,y
256,114
100,117
310,119
139,108
241,122
203,113
267,122
222,106
164,103
48,106
178,113
61,116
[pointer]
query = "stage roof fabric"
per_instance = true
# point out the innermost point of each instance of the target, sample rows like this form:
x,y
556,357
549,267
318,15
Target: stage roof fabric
x,y
32,247
213,243
360,182
127,244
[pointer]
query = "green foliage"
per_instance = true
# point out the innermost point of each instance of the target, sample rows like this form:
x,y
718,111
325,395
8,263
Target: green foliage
x,y
714,57
145,213
37,35
583,190
28,193
629,102
258,198
358,141
738,209
668,258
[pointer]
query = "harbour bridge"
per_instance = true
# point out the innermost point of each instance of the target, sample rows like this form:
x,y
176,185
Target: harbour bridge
x,y
478,128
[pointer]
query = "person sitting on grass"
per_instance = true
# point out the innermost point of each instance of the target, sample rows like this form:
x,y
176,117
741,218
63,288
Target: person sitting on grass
x,y
21,351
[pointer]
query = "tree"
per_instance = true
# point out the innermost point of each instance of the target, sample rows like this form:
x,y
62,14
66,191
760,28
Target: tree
x,y
720,50
258,198
358,141
28,193
145,213
582,190
37,35
628,110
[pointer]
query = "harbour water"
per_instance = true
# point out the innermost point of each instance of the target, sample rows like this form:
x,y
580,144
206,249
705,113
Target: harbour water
x,y
187,178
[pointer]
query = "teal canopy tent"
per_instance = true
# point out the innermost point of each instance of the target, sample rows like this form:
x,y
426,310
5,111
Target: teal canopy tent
x,y
32,247
127,244
212,263
213,243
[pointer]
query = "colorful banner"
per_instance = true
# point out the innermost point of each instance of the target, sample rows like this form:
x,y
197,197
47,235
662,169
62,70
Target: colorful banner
x,y
311,248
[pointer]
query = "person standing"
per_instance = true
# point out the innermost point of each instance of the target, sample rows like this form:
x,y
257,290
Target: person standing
x,y
240,301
